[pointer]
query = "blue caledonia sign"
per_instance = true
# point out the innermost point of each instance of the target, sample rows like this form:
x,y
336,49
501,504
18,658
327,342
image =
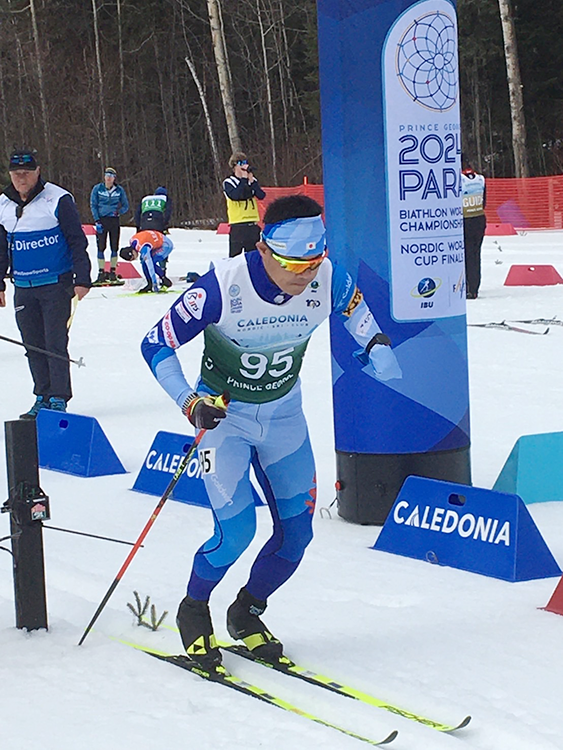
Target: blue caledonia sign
x,y
163,459
392,161
473,529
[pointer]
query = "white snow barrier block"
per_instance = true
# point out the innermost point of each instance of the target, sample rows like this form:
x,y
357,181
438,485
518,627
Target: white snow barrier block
x,y
473,529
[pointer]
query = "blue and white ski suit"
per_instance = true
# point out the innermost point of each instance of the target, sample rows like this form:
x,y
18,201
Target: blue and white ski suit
x,y
255,339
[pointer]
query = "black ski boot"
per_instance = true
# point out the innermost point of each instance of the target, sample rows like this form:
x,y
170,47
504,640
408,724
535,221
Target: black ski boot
x,y
101,280
166,282
244,624
146,289
114,279
196,631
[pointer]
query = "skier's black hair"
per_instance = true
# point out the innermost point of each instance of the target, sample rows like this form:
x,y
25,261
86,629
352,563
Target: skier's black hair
x,y
291,207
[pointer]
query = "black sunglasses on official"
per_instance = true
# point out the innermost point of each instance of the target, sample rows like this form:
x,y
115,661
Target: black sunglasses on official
x,y
21,159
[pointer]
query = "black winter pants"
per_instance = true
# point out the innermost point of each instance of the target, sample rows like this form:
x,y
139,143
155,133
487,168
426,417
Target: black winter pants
x,y
42,314
243,237
110,226
473,233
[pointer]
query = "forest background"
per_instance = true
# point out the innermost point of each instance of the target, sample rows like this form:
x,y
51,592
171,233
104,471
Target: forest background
x,y
164,90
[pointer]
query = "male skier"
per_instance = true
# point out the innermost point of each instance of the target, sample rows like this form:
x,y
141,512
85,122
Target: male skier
x,y
256,316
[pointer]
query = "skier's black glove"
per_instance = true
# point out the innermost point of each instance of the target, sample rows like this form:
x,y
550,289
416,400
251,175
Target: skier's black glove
x,y
205,412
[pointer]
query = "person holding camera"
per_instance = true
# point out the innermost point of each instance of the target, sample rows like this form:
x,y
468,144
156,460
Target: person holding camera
x,y
242,191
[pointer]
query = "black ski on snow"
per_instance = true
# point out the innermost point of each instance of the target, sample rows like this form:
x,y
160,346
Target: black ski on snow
x,y
222,677
508,327
286,666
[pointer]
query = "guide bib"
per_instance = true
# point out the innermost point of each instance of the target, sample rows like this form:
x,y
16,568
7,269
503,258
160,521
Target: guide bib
x,y
473,193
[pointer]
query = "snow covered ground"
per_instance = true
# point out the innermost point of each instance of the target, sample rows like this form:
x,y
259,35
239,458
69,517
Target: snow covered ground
x,y
431,639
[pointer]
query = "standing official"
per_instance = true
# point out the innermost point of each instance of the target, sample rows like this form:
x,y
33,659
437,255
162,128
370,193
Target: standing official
x,y
242,192
43,250
474,194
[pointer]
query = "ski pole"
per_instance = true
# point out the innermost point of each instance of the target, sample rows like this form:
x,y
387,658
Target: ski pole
x,y
80,362
144,532
74,305
167,492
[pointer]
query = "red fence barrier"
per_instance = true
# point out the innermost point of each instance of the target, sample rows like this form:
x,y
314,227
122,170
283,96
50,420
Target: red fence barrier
x,y
526,203
316,192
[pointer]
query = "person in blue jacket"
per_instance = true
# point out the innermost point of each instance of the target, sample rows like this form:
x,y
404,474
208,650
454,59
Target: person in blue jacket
x,y
256,312
43,251
108,201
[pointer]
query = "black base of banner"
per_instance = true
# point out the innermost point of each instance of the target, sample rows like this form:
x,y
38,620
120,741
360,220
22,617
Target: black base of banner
x,y
368,484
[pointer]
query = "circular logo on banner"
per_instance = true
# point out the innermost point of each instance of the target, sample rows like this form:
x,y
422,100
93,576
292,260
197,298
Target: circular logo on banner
x,y
426,288
427,61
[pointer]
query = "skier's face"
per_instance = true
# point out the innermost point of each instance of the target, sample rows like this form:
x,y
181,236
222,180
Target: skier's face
x,y
288,281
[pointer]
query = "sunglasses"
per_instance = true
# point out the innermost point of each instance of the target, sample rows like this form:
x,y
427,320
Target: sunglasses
x,y
242,162
18,159
299,265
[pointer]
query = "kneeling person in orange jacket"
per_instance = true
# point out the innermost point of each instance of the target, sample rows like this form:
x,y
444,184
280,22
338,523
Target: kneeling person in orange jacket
x,y
153,248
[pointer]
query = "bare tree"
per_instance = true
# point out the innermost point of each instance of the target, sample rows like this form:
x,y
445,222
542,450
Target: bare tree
x,y
121,80
269,96
104,138
514,89
40,80
208,123
203,99
223,72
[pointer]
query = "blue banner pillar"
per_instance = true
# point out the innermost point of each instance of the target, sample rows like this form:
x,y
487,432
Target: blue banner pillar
x,y
391,162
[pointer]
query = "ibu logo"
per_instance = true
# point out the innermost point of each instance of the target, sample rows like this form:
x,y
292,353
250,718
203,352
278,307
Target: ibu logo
x,y
426,289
